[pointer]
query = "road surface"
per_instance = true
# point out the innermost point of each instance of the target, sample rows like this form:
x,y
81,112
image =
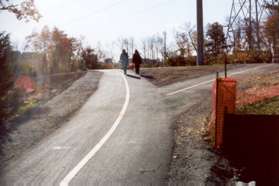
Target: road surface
x,y
121,136
137,151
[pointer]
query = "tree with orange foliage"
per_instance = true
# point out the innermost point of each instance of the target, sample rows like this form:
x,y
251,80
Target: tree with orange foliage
x,y
62,48
57,48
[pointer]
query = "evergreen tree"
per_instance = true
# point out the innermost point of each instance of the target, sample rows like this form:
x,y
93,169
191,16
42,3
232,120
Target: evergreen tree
x,y
6,80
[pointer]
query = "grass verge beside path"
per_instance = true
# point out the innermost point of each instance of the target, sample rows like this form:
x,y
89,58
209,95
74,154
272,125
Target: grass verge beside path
x,y
266,107
259,93
163,76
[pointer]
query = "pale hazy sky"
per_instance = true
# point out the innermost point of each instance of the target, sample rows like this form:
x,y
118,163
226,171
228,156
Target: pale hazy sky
x,y
106,20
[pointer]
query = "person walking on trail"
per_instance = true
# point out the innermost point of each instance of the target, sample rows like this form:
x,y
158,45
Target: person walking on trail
x,y
137,60
124,60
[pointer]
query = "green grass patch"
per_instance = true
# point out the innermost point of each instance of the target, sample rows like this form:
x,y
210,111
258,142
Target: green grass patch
x,y
266,107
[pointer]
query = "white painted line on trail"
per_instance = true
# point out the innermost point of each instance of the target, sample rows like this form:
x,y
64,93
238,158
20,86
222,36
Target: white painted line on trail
x,y
243,71
188,88
98,146
61,148
207,82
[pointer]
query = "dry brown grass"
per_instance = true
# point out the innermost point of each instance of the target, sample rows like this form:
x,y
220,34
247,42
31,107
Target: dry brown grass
x,y
258,87
163,76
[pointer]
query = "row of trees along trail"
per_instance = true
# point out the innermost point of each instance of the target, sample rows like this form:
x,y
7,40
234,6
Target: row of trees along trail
x,y
47,53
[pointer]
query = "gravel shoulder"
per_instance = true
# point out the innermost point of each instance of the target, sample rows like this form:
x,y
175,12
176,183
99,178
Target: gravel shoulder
x,y
48,117
192,156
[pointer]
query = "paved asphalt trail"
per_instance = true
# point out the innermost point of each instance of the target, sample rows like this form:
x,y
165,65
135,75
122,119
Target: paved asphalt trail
x,y
136,152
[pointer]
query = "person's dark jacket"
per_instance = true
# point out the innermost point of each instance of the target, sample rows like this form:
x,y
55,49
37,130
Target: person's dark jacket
x,y
137,60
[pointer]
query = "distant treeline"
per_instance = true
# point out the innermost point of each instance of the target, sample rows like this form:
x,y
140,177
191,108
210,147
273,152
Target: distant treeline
x,y
239,46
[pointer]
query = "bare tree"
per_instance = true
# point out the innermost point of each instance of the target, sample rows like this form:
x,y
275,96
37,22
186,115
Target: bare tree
x,y
131,46
144,49
151,42
100,52
193,35
159,46
153,47
25,10
183,40
271,30
123,43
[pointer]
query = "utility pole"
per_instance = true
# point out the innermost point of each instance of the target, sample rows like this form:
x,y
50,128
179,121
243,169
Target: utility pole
x,y
200,52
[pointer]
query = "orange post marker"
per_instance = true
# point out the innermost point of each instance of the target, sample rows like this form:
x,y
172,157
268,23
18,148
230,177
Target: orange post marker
x,y
225,102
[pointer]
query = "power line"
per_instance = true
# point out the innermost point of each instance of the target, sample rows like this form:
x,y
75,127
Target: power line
x,y
153,6
94,13
137,13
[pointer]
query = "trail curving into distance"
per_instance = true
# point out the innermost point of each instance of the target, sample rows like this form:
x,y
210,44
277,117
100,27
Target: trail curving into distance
x,y
98,146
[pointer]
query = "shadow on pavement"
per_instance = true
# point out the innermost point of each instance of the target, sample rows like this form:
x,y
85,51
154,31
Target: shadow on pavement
x,y
132,76
147,76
